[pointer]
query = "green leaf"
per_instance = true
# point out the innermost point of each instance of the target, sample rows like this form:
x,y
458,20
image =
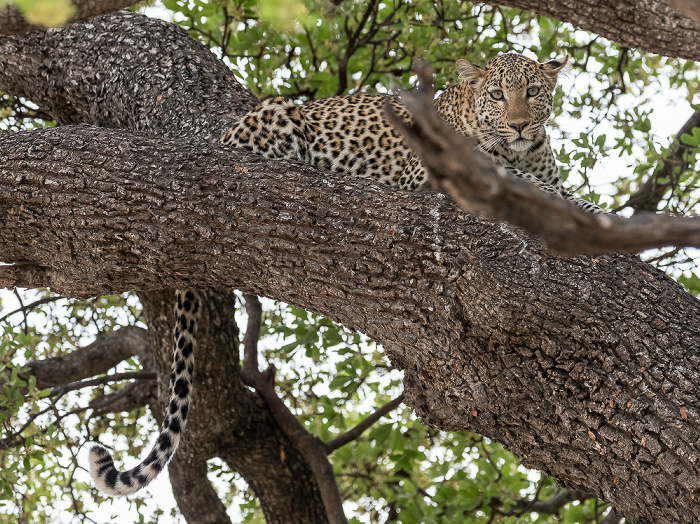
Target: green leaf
x,y
691,139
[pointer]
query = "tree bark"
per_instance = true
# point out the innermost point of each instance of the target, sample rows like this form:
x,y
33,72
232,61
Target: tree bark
x,y
227,421
587,367
650,25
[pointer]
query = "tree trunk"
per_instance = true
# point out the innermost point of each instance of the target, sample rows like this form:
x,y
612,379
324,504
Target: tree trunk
x,y
228,421
587,367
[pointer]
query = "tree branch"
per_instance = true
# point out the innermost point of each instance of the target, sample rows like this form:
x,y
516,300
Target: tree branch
x,y
24,308
228,421
546,507
105,352
650,25
365,424
650,193
310,447
494,334
107,379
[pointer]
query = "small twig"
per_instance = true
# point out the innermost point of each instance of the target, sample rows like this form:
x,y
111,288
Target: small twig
x,y
114,377
355,432
26,307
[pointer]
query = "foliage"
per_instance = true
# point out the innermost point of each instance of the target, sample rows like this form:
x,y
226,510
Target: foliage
x,y
399,470
47,13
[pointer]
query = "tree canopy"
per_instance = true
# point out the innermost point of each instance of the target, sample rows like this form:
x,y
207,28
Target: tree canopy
x,y
495,354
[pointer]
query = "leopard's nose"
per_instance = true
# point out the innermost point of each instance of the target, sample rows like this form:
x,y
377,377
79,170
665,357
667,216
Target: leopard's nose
x,y
518,126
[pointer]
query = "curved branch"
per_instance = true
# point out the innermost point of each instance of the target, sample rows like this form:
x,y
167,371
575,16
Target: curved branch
x,y
96,358
228,421
650,193
187,92
309,446
365,424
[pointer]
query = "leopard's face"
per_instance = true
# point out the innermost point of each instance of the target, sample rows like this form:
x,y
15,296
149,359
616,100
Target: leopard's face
x,y
513,99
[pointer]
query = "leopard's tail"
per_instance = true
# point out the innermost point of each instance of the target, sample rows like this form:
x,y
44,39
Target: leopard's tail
x,y
107,477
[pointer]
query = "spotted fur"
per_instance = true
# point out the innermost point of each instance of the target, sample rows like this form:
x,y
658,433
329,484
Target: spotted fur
x,y
349,135
105,474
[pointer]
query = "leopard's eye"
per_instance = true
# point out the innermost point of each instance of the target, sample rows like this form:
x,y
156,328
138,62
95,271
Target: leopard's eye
x,y
533,90
496,94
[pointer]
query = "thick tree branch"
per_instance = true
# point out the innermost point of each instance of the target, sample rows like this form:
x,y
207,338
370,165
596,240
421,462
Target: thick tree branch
x,y
13,22
483,188
96,358
650,25
228,421
589,367
128,71
160,82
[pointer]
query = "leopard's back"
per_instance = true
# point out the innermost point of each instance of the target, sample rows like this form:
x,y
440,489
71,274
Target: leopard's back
x,y
348,135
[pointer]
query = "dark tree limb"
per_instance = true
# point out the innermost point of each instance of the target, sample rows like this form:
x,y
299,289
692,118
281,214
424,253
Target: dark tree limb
x,y
13,22
25,308
546,507
650,25
133,396
311,447
227,421
187,92
96,358
364,425
183,90
107,379
483,188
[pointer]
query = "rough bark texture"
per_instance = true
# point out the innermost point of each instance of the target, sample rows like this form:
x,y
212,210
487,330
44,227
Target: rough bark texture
x,y
587,367
650,25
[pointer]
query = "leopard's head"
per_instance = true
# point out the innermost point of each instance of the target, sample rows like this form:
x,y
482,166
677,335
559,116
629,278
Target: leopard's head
x,y
513,98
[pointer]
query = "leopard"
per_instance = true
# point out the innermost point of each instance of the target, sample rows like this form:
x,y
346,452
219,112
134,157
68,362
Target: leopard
x,y
504,105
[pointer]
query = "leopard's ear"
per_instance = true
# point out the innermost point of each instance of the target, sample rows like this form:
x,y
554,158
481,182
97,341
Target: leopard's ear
x,y
470,74
556,65
552,68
